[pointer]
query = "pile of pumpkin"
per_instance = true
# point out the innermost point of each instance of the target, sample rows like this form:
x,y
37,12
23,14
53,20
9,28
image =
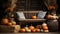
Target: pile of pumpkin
x,y
5,21
38,28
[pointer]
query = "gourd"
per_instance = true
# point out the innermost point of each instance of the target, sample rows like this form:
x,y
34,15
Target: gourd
x,y
27,29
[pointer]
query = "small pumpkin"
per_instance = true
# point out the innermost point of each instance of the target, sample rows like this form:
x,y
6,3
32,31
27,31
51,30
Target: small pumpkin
x,y
44,24
34,30
9,24
45,28
14,23
31,27
22,30
34,17
5,21
49,16
28,30
37,30
41,30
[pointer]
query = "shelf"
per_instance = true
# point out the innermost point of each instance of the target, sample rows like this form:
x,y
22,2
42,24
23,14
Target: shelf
x,y
32,20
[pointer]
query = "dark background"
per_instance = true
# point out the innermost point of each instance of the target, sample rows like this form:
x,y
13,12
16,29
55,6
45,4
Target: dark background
x,y
58,11
58,3
3,6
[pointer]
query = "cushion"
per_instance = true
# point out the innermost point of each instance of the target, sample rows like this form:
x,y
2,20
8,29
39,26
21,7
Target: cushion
x,y
41,15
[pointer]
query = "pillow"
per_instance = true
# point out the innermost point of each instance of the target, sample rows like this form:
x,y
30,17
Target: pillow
x,y
21,15
41,15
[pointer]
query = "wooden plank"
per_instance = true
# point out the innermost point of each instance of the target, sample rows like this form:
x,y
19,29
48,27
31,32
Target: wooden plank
x,y
32,20
30,11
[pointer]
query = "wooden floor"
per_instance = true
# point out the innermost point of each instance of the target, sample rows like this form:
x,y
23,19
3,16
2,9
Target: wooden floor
x,y
33,33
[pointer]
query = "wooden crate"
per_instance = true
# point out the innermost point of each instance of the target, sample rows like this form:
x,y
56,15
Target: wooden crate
x,y
9,29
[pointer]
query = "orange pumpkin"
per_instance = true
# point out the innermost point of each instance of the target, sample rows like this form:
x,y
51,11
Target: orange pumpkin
x,y
22,30
31,27
48,16
37,30
45,28
9,24
34,30
34,17
5,21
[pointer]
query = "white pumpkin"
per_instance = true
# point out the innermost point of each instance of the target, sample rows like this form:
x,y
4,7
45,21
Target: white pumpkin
x,y
44,24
